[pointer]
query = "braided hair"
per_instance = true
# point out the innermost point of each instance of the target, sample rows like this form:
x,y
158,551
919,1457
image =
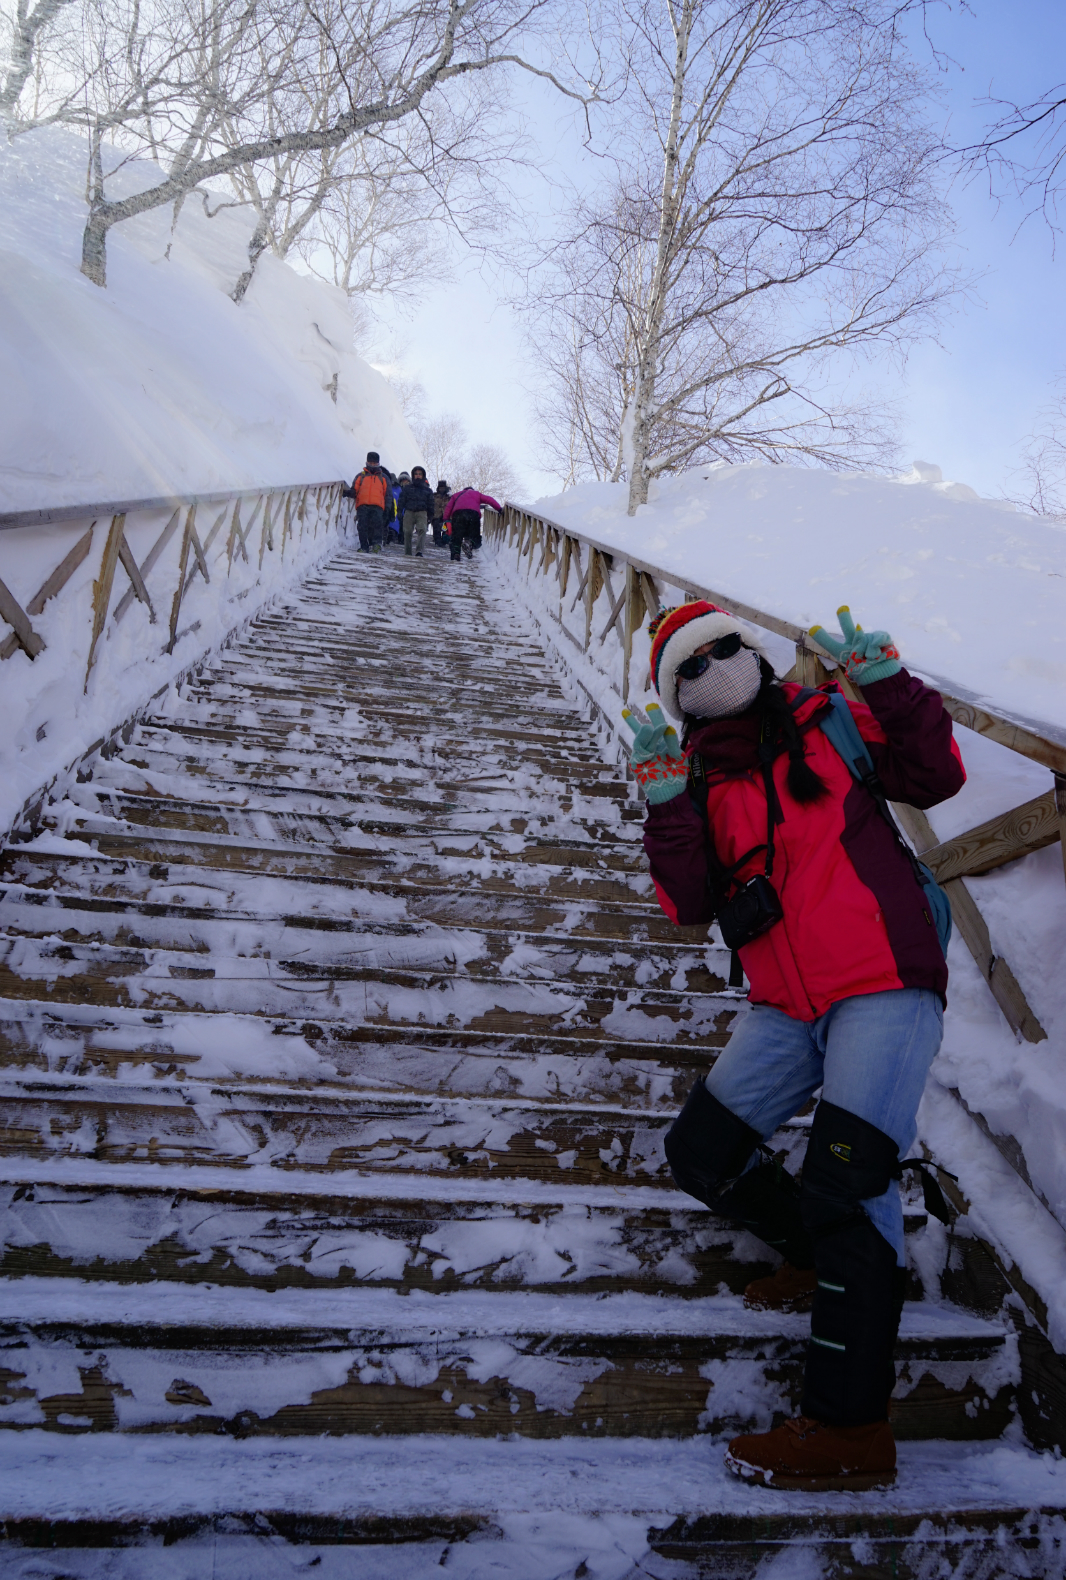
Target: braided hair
x,y
805,784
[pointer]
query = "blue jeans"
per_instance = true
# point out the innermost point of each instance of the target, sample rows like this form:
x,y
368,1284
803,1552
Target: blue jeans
x,y
869,1054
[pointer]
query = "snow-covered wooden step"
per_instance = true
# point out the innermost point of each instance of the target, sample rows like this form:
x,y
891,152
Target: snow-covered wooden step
x,y
322,1126
358,946
564,759
592,884
499,692
370,995
367,1508
592,1239
465,727
124,1044
355,944
100,1357
62,872
472,807
343,831
401,817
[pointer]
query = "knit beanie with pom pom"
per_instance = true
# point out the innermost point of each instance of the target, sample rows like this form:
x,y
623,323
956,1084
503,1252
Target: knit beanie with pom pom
x,y
677,633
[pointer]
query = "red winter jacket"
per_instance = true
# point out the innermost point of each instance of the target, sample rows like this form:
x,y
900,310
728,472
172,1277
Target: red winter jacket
x,y
855,919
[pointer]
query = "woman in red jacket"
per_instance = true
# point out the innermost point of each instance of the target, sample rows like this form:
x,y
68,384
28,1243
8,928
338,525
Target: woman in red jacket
x,y
756,819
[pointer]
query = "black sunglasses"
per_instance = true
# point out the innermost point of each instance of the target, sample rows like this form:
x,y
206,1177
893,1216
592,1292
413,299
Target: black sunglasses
x,y
725,647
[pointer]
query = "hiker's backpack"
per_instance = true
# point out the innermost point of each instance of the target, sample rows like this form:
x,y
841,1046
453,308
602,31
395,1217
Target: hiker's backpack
x,y
838,725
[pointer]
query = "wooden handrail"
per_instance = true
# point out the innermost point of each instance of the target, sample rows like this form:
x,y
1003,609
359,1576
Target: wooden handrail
x,y
286,514
117,552
125,507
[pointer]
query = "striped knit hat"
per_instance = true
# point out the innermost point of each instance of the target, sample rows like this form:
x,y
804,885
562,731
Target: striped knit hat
x,y
677,633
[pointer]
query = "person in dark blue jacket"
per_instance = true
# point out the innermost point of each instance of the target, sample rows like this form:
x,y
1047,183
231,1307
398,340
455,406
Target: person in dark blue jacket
x,y
415,509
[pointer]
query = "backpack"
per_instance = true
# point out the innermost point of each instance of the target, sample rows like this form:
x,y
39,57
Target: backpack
x,y
840,730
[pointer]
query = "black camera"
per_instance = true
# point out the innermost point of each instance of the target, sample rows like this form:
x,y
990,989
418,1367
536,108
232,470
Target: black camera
x,y
752,911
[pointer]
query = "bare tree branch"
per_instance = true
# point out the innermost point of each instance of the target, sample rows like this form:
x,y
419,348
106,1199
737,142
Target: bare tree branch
x,y
774,203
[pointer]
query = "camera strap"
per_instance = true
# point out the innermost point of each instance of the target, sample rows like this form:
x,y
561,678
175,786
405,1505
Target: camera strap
x,y
723,876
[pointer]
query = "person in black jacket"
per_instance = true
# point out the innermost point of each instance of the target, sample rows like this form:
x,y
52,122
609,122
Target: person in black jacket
x,y
415,508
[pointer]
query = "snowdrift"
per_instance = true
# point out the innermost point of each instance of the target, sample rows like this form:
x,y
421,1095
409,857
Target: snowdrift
x,y
160,384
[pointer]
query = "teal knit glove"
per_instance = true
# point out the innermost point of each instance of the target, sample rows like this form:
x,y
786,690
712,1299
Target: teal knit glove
x,y
865,656
660,766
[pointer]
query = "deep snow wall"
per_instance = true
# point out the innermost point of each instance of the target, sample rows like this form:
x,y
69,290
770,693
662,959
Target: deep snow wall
x,y
160,384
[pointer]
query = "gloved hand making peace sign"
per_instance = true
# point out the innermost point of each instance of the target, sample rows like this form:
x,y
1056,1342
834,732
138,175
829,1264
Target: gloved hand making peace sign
x,y
659,764
864,656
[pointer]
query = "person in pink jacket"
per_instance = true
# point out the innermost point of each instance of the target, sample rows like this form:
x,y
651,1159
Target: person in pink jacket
x,y
463,511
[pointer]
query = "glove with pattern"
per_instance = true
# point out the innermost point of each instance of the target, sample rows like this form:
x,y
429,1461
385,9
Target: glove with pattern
x,y
659,764
864,656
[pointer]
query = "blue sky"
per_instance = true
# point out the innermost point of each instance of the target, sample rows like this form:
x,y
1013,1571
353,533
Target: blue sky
x,y
967,403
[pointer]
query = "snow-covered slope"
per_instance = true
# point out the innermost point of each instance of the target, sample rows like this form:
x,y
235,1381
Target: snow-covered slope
x,y
973,591
160,384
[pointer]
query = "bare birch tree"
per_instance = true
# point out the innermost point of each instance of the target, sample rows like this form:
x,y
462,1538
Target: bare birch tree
x,y
442,441
488,467
27,30
208,88
772,205
359,214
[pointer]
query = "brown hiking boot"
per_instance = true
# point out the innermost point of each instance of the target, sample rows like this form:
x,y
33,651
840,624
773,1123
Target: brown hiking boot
x,y
789,1289
811,1456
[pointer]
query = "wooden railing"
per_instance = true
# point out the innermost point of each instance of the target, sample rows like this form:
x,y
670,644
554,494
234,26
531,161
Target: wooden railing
x,y
225,541
633,595
284,508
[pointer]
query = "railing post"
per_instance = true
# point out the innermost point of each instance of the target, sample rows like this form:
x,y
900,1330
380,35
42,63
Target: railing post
x,y
634,622
809,669
183,564
592,592
535,530
266,537
564,570
102,587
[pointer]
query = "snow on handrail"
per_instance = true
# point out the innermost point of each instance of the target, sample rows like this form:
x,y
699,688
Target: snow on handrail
x,y
48,515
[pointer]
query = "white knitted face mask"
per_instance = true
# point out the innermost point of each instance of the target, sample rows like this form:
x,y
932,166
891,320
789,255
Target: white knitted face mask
x,y
726,687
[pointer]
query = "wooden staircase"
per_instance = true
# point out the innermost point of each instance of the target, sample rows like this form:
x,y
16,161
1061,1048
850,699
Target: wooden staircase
x,y
340,1031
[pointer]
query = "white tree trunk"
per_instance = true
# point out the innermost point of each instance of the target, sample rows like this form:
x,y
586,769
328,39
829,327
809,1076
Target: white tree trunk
x,y
650,340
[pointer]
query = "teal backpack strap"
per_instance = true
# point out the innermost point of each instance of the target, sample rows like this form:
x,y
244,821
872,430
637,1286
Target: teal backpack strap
x,y
838,726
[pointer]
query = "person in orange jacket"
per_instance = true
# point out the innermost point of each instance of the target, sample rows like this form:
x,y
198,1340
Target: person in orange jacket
x,y
372,496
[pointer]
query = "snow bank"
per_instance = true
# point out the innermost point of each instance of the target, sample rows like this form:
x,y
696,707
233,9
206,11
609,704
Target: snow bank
x,y
160,384
973,591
